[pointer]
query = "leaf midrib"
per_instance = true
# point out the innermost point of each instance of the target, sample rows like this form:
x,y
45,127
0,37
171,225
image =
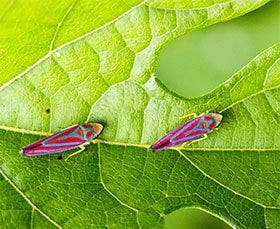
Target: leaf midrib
x,y
25,131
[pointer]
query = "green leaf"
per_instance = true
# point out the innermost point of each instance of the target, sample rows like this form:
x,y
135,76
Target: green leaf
x,y
78,62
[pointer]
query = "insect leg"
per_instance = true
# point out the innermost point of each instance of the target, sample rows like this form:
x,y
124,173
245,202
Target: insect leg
x,y
188,115
196,140
82,148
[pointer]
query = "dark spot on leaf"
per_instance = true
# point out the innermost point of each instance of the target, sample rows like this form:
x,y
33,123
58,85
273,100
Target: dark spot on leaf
x,y
59,157
48,110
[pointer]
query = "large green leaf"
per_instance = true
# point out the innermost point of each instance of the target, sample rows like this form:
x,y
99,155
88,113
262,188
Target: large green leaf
x,y
95,61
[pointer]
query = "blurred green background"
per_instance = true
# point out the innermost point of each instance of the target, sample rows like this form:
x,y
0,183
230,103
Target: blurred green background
x,y
198,62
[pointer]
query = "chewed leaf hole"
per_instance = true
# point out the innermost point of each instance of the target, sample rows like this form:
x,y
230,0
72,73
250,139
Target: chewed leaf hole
x,y
196,63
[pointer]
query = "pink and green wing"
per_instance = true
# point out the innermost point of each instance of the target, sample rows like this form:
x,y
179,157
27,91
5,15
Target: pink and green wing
x,y
177,136
188,131
67,139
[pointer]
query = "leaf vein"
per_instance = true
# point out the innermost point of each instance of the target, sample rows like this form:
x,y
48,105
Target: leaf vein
x,y
60,24
65,45
33,206
211,178
104,186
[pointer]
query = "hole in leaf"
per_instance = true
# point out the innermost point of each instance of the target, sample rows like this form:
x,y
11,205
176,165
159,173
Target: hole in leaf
x,y
193,218
198,62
